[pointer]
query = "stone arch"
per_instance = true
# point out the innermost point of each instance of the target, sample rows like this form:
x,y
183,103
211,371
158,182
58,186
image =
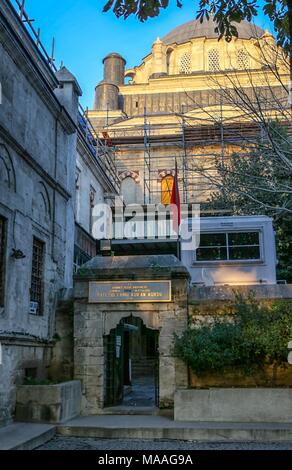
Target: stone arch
x,y
131,355
130,74
163,173
7,171
41,205
113,319
133,174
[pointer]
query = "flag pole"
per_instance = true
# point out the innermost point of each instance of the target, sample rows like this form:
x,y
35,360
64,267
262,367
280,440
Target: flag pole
x,y
177,203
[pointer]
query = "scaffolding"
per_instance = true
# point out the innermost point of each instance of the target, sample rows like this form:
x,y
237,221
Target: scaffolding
x,y
187,133
147,161
102,152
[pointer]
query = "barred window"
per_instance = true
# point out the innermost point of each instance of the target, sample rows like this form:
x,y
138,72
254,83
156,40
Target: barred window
x,y
185,63
2,259
242,59
37,271
213,60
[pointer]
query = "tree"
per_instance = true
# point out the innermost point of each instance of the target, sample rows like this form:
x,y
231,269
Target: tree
x,y
226,13
254,184
257,177
247,336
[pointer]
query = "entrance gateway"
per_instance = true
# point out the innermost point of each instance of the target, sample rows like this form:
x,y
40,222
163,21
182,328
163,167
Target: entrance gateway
x,y
126,312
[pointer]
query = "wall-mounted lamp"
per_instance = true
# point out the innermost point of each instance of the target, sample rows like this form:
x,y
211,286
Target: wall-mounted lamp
x,y
17,254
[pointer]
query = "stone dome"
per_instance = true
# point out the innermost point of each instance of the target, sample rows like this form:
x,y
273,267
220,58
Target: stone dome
x,y
194,29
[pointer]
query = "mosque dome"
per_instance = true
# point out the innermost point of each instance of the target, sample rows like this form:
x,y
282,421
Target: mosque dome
x,y
195,29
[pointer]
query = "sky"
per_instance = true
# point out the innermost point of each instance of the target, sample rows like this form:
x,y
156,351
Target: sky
x,y
84,35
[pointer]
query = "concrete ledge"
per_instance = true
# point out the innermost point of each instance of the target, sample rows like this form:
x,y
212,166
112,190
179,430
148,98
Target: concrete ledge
x,y
24,436
252,405
271,291
48,403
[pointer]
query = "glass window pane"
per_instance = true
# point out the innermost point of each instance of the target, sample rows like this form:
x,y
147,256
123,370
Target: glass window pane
x,y
243,238
213,239
211,254
244,252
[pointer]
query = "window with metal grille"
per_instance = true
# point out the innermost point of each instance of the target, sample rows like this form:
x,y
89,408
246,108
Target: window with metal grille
x,y
213,60
185,63
2,259
242,59
231,246
37,271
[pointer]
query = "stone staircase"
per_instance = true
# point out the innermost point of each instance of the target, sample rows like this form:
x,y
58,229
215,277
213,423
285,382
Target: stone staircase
x,y
144,366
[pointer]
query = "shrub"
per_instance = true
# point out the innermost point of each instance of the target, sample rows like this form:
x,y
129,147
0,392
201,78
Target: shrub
x,y
252,336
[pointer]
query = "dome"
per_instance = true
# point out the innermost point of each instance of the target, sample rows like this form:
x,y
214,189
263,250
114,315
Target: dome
x,y
194,29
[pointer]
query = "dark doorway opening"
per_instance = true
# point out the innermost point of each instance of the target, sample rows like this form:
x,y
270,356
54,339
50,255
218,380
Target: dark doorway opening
x,y
131,366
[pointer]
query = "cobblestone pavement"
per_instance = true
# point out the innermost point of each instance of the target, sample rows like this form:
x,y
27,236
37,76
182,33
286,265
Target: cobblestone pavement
x,y
75,443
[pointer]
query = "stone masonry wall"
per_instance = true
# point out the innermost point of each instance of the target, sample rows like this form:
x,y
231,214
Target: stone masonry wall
x,y
92,322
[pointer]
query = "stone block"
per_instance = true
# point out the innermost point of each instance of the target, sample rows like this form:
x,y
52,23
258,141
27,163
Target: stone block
x,y
48,403
262,405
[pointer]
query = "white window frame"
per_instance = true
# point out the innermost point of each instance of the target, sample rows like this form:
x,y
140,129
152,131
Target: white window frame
x,y
260,260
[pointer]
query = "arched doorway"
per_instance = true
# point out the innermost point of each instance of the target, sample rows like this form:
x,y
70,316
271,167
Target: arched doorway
x,y
131,365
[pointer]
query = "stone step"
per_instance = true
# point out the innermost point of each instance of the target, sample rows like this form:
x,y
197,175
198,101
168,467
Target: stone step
x,y
161,427
132,410
25,436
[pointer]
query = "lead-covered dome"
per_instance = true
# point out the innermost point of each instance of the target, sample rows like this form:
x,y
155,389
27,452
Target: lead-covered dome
x,y
195,29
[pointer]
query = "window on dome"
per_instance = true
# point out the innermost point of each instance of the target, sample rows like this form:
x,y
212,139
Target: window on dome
x,y
242,59
185,63
213,60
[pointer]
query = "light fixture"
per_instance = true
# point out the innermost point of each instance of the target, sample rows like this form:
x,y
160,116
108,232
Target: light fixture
x,y
17,254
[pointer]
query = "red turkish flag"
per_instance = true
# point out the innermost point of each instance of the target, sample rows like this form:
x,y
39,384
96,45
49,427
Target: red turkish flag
x,y
175,200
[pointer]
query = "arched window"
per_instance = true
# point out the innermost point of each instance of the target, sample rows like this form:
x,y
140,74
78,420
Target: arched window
x,y
166,189
185,63
129,190
213,60
242,59
7,174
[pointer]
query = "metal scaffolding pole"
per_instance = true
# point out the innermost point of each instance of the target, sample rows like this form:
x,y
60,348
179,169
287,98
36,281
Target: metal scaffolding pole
x,y
147,160
184,160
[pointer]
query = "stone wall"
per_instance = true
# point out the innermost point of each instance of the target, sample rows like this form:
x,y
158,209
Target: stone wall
x,y
61,364
48,403
92,322
239,405
37,184
205,303
17,356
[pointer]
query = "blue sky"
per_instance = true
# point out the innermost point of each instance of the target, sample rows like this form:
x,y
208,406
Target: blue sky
x,y
84,35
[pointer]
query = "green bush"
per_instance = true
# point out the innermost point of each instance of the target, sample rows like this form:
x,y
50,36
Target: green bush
x,y
252,336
